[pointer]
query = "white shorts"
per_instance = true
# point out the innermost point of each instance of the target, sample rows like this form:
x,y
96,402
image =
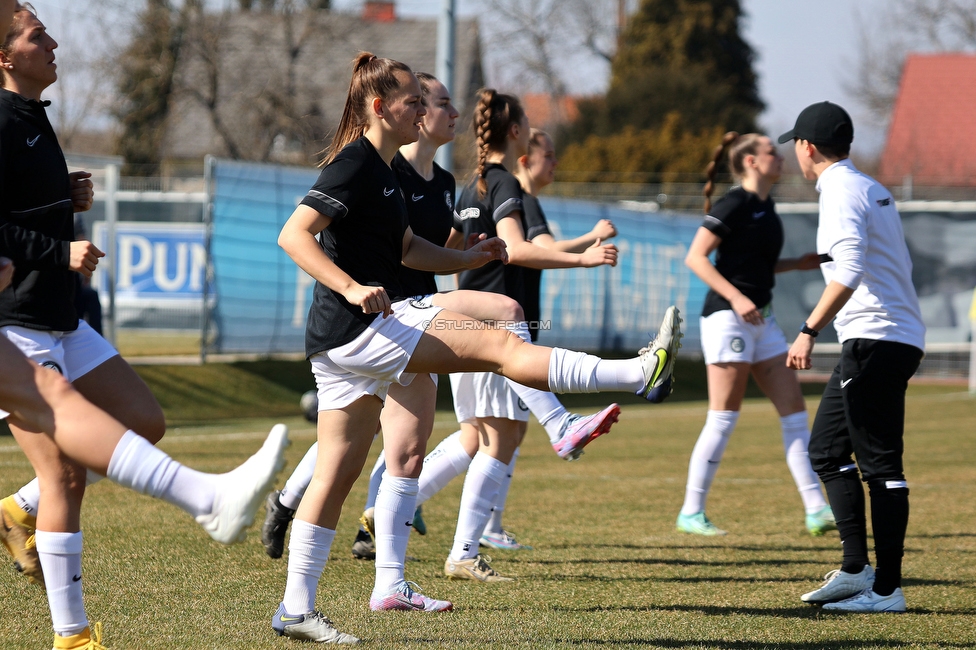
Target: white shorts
x,y
73,354
726,338
374,359
486,395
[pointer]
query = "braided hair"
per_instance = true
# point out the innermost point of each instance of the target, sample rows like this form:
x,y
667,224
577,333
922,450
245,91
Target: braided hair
x,y
739,146
493,115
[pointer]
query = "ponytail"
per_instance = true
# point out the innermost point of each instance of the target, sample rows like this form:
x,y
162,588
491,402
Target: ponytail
x,y
739,147
371,77
493,115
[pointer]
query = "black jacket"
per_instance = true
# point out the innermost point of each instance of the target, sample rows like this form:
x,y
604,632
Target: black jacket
x,y
36,219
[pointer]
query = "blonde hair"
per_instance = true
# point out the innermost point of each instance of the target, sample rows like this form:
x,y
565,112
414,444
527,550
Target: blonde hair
x,y
371,77
739,147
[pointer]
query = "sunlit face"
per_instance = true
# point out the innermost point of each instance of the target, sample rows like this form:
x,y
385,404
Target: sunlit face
x,y
803,157
541,162
404,110
438,124
30,57
767,161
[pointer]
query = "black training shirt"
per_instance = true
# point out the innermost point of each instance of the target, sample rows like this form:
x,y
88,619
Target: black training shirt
x,y
36,219
361,195
535,225
752,238
476,216
430,209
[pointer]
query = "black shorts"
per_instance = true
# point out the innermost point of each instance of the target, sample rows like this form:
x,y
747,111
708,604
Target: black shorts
x,y
862,411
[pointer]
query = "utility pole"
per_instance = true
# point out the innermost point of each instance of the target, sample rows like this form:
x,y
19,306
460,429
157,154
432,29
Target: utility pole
x,y
445,70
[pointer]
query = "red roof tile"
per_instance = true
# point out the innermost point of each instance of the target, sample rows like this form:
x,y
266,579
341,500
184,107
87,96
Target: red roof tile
x,y
540,109
932,136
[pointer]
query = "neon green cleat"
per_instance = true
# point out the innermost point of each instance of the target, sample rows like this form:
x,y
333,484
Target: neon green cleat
x,y
821,521
698,524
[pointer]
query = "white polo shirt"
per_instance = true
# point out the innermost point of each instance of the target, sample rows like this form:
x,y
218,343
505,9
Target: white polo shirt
x,y
860,229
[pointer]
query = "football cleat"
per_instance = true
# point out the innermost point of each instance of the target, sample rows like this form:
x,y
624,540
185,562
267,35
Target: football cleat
x,y
476,568
581,430
821,522
418,523
869,602
407,597
698,524
657,359
17,536
88,639
276,520
313,626
363,548
840,585
240,492
504,541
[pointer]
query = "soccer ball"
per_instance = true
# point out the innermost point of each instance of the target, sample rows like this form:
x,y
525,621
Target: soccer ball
x,y
310,406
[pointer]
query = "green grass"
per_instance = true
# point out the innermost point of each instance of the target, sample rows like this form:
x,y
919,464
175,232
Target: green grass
x,y
608,570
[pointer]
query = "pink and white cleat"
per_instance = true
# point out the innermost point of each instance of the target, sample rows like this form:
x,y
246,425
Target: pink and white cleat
x,y
581,430
406,597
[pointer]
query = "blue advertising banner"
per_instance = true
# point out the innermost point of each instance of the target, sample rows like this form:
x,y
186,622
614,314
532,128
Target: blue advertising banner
x,y
160,271
263,298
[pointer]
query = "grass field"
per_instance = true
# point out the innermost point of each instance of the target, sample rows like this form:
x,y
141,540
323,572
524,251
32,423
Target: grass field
x,y
608,570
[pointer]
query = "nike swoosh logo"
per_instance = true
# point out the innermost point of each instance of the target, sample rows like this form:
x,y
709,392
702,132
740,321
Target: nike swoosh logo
x,y
662,358
32,141
409,523
387,192
415,197
75,578
844,382
288,619
757,215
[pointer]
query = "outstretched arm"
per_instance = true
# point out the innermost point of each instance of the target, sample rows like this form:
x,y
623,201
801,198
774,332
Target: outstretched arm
x,y
525,253
418,253
603,230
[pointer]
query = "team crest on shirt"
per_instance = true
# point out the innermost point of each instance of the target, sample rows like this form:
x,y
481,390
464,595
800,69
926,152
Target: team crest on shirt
x,y
448,200
53,366
469,213
737,344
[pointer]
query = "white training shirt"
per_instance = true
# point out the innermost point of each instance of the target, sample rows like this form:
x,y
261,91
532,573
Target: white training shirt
x,y
860,228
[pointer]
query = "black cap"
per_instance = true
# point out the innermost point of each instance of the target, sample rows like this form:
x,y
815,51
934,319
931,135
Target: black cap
x,y
822,123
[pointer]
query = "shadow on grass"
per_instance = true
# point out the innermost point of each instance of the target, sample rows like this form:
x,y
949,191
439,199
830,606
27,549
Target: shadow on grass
x,y
839,644
646,579
667,561
804,612
741,547
941,535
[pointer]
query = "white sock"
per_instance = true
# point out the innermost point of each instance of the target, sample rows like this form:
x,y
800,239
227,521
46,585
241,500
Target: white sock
x,y
706,456
447,461
28,497
796,440
375,479
494,524
297,483
545,406
60,556
308,551
138,465
395,503
485,476
578,372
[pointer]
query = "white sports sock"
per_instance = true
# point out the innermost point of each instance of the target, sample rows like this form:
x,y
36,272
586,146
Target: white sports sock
x,y
494,524
60,556
447,461
393,516
297,483
578,372
375,479
706,456
28,497
481,485
138,465
796,440
545,406
308,551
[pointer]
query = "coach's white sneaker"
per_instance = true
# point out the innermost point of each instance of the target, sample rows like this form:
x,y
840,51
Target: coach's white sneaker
x,y
867,602
240,492
839,585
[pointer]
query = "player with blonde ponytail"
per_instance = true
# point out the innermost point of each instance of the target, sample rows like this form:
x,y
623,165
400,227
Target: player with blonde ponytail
x,y
739,333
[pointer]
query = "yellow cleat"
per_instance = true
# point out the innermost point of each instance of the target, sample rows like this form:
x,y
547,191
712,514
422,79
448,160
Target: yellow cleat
x,y
88,639
17,535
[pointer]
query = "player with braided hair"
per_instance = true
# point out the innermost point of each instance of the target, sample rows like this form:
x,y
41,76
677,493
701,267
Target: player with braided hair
x,y
739,333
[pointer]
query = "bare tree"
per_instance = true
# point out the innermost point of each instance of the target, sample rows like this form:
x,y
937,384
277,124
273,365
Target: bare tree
x,y
885,42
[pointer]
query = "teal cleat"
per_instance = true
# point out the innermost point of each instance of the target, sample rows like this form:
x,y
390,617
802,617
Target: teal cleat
x,y
821,521
698,524
418,522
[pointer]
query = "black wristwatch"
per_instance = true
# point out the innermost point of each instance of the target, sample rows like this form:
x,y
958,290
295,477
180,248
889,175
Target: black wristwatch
x,y
809,331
